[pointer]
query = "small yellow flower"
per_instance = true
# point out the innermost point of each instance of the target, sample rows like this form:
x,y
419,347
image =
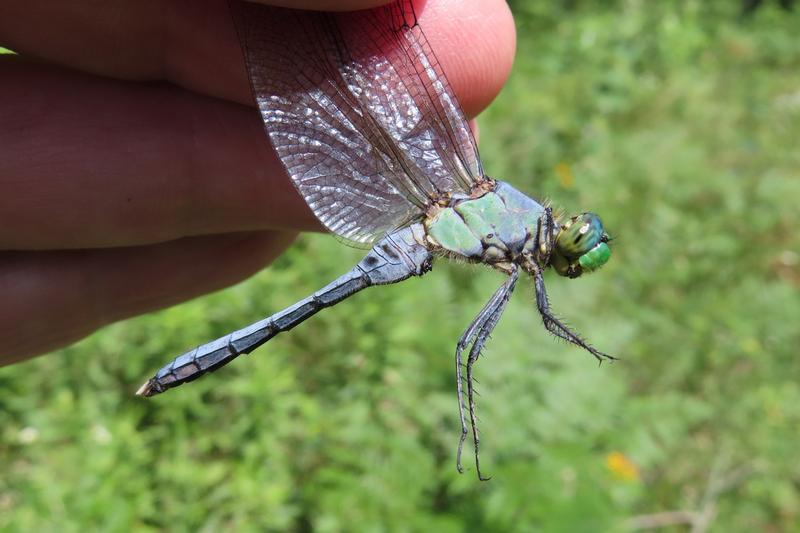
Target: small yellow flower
x,y
564,173
622,467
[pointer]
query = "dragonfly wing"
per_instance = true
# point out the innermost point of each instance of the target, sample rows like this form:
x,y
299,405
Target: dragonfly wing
x,y
390,66
359,112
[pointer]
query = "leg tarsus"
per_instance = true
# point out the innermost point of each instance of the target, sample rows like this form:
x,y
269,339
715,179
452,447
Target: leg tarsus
x,y
459,389
555,326
475,438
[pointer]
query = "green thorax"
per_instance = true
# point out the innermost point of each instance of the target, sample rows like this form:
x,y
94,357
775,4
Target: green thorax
x,y
495,227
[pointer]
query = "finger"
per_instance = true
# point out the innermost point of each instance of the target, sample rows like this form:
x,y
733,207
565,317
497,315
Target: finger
x,y
162,166
323,5
93,162
193,44
51,299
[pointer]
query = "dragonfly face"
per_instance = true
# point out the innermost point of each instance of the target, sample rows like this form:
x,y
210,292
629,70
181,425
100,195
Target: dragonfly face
x,y
581,246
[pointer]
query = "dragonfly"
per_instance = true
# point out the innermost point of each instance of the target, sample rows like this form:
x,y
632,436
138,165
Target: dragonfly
x,y
364,121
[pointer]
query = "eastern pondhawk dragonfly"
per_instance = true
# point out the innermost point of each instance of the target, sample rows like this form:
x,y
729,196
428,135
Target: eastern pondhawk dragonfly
x,y
366,125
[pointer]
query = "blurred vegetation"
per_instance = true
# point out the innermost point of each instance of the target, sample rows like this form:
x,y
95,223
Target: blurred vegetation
x,y
677,122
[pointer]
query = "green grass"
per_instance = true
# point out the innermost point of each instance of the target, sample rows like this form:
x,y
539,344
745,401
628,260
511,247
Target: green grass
x,y
678,123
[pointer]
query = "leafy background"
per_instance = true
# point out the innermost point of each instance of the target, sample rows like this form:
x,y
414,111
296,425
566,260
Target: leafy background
x,y
678,121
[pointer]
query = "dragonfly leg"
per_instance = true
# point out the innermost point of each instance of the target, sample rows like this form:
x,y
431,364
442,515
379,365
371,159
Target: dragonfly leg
x,y
478,333
465,340
555,326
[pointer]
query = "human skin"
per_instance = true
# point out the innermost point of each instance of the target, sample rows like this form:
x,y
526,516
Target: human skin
x,y
130,154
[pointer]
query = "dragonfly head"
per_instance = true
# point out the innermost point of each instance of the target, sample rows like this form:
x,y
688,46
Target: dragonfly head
x,y
581,246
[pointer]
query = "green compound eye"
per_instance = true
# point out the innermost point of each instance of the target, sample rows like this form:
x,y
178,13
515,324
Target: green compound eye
x,y
580,246
579,235
595,258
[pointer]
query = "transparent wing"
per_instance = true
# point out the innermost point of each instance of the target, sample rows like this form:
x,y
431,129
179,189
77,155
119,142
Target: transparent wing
x,y
359,112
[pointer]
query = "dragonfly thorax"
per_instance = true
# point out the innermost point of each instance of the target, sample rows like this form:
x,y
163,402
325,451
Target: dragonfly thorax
x,y
498,228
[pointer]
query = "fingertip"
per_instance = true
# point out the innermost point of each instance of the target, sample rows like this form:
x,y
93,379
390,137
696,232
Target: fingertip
x,y
475,41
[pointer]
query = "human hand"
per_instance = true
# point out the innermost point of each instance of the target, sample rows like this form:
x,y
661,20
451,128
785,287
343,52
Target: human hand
x,y
133,174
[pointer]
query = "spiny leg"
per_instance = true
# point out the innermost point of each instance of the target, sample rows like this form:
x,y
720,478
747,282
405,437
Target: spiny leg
x,y
478,333
475,326
554,325
480,340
